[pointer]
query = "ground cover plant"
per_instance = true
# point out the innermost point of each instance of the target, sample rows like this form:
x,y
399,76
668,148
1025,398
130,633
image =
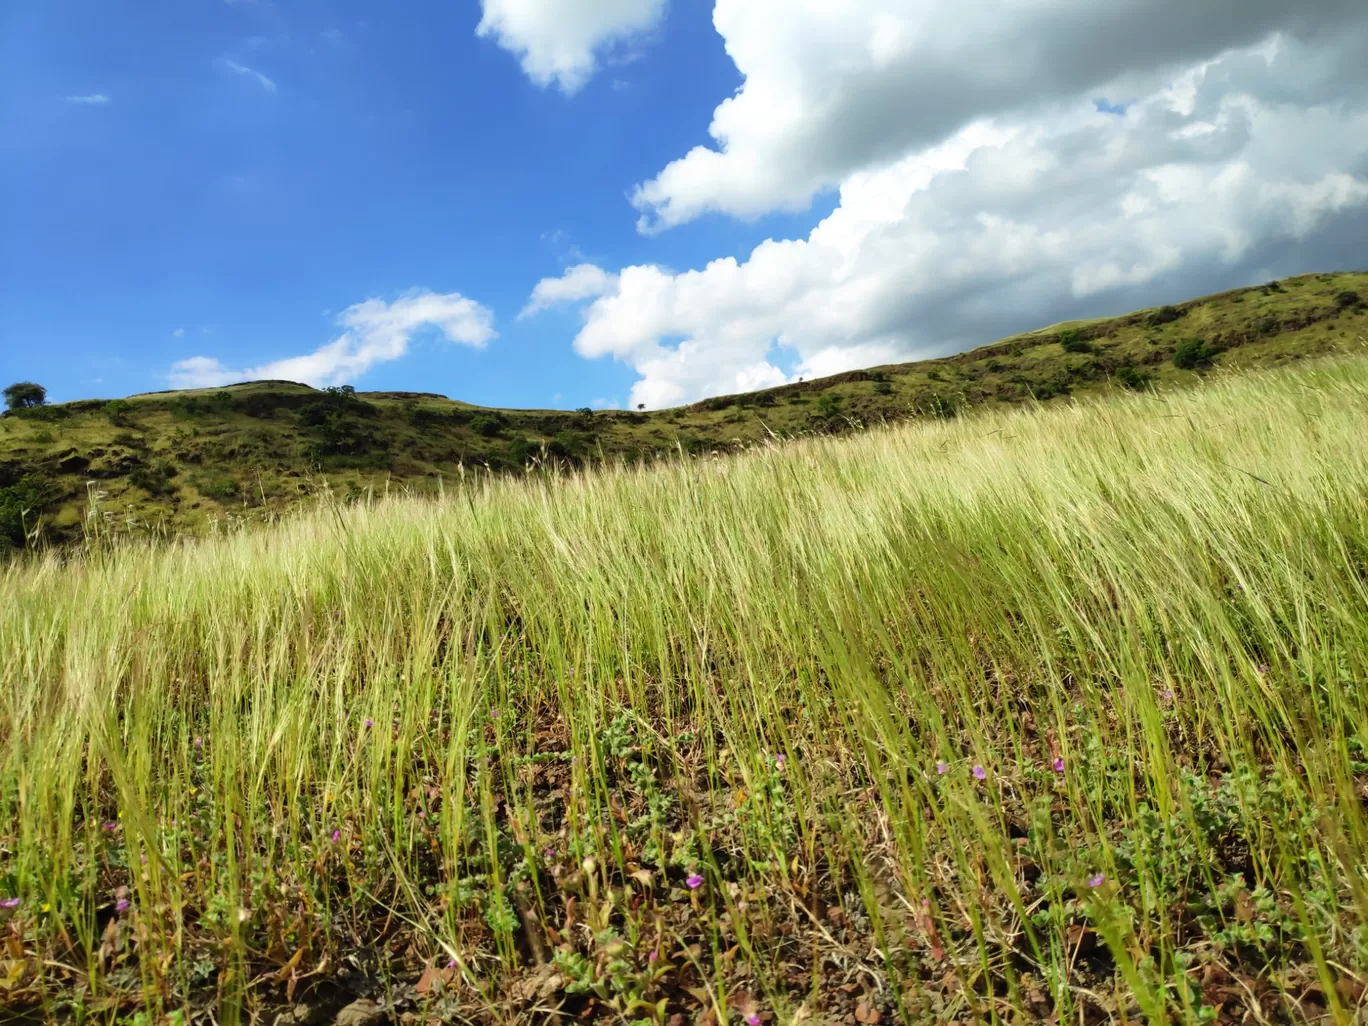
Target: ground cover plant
x,y
191,462
1032,715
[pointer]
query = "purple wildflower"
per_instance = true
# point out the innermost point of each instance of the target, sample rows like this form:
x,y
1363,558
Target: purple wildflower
x,y
493,714
550,853
753,1019
369,724
1059,764
980,773
451,964
9,902
199,742
780,759
653,956
1263,668
337,836
1096,880
1168,694
942,768
694,881
121,905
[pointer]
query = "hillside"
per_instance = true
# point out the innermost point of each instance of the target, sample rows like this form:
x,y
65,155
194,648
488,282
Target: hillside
x,y
169,462
1036,716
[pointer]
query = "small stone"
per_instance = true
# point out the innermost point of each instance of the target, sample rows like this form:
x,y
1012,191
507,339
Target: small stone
x,y
363,1012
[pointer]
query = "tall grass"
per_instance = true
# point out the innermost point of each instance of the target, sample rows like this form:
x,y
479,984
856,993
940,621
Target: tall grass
x,y
1025,714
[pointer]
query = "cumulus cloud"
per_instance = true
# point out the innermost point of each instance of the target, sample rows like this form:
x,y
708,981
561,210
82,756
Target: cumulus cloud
x,y
583,281
242,69
89,99
561,42
830,89
1250,163
373,332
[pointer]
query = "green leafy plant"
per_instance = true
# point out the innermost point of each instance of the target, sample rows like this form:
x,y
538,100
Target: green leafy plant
x,y
1193,354
23,395
1072,341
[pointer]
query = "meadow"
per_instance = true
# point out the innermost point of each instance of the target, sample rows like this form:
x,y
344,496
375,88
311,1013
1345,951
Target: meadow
x,y
1033,715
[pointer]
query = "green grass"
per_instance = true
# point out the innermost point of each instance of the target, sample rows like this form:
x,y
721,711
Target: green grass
x,y
251,452
466,755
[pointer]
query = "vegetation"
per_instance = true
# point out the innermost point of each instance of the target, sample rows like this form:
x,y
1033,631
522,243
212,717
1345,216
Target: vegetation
x,y
23,395
264,448
1035,715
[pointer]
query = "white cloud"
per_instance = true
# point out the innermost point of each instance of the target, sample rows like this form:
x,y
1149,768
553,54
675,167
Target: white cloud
x,y
583,281
89,99
562,41
830,89
1219,173
178,333
374,332
252,73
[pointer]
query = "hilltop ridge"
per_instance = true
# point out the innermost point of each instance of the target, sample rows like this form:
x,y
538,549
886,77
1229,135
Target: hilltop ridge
x,y
179,460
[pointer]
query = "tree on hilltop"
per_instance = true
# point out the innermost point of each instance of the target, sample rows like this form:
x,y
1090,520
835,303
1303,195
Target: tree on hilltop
x,y
24,394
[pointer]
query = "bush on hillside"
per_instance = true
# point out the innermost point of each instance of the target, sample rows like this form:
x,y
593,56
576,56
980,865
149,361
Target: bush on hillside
x,y
1347,299
1128,377
1164,315
19,505
486,424
219,487
117,410
1072,341
520,450
156,480
1193,354
568,445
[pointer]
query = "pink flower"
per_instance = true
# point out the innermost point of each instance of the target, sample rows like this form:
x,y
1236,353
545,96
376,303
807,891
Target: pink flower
x,y
121,905
199,742
110,827
9,902
652,956
337,836
942,768
369,724
1059,765
451,964
980,773
780,759
753,1019
694,881
1096,880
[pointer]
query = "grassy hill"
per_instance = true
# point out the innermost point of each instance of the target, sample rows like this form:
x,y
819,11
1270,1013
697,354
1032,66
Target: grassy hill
x,y
1035,716
169,462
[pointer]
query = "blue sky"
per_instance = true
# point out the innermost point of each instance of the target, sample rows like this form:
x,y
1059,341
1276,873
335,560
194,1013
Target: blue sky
x,y
222,180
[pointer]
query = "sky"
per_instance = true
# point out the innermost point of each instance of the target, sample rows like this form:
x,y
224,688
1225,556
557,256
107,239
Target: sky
x,y
566,203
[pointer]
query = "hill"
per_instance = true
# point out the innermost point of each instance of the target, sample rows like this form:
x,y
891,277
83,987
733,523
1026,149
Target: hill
x,y
1036,716
186,461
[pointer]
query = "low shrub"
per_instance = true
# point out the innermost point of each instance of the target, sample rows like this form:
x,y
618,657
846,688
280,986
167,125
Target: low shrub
x,y
1164,315
1128,377
19,506
487,425
1193,354
1072,341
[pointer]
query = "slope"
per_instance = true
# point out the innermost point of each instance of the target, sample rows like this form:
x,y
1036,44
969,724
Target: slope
x,y
188,461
